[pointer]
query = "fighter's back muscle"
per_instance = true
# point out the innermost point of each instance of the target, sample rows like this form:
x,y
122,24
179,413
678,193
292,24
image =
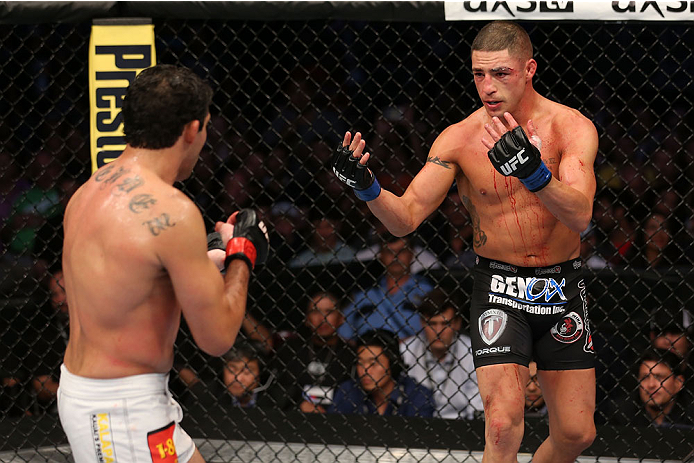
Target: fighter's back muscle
x,y
119,295
510,223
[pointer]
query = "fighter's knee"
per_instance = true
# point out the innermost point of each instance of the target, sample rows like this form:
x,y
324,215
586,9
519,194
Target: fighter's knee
x,y
504,428
576,439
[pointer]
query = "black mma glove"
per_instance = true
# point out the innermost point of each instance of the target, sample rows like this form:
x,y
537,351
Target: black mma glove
x,y
514,155
350,171
250,242
214,241
216,250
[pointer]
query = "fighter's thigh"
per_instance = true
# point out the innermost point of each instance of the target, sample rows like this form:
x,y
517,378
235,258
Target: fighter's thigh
x,y
570,399
502,388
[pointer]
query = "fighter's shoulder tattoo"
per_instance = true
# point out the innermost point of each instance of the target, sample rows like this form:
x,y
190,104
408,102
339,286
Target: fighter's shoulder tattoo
x,y
159,224
109,174
436,160
479,237
140,202
127,185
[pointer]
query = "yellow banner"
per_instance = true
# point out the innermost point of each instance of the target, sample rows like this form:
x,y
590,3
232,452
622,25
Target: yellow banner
x,y
117,53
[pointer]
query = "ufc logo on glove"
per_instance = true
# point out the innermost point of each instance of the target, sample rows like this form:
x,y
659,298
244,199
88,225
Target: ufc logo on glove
x,y
510,166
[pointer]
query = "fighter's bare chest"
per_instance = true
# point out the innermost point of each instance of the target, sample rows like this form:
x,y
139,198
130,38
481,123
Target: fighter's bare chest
x,y
478,178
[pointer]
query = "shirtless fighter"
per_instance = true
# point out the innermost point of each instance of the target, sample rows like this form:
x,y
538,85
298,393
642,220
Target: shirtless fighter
x,y
529,197
135,259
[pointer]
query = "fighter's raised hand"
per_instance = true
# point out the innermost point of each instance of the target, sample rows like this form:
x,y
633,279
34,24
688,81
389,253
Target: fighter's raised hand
x,y
512,153
349,163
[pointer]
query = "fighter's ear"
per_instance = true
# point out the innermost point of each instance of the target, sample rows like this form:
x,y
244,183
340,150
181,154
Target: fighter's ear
x,y
190,131
679,382
530,68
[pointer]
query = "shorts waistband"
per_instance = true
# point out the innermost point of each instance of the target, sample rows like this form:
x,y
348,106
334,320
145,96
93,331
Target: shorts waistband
x,y
570,266
113,388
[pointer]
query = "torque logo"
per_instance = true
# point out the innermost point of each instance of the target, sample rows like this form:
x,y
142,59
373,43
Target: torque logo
x,y
492,324
493,350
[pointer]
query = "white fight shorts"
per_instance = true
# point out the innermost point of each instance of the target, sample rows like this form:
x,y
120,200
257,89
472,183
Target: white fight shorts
x,y
131,419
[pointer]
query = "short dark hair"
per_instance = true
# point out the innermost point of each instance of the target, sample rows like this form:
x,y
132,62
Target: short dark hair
x,y
389,342
245,351
320,295
504,35
665,357
160,102
435,303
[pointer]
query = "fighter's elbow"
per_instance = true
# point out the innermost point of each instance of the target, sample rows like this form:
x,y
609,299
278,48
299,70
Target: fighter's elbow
x,y
216,348
217,341
400,231
580,222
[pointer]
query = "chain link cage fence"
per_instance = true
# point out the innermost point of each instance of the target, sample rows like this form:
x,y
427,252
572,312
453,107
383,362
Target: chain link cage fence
x,y
285,93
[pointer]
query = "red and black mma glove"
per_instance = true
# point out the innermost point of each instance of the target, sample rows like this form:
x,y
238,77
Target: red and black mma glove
x,y
250,241
514,155
351,172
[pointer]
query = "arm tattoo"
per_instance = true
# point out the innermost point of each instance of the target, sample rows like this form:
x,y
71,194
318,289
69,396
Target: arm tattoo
x,y
159,224
479,237
436,160
141,202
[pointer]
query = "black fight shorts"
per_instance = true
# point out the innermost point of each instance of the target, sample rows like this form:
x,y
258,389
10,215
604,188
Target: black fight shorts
x,y
520,314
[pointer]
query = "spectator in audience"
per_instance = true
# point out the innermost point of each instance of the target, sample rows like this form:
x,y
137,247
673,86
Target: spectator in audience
x,y
589,249
325,246
389,305
534,402
660,385
615,232
311,365
305,115
659,399
380,386
32,345
50,335
657,249
243,381
12,186
192,363
36,204
422,259
14,395
622,237
440,357
285,226
672,328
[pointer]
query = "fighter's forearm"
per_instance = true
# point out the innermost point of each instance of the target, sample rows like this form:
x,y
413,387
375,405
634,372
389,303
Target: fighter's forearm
x,y
236,291
568,205
394,213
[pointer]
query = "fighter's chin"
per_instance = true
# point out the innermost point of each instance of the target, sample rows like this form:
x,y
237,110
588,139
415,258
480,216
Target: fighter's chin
x,y
494,108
